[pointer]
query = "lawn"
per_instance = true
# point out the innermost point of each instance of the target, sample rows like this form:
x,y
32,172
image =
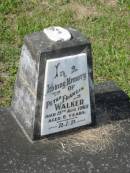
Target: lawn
x,y
104,22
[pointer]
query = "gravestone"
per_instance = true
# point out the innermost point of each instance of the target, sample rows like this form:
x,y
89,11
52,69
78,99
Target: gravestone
x,y
54,89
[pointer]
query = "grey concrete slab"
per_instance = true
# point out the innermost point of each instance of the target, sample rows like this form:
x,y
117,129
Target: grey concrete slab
x,y
101,149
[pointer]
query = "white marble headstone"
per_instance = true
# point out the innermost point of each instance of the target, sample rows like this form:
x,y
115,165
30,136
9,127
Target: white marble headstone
x,y
66,98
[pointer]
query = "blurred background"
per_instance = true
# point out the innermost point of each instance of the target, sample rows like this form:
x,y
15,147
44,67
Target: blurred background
x,y
105,22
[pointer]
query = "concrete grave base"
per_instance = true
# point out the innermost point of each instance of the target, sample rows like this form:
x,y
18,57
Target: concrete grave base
x,y
104,148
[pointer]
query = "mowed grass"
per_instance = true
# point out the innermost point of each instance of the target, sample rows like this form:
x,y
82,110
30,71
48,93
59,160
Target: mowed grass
x,y
104,22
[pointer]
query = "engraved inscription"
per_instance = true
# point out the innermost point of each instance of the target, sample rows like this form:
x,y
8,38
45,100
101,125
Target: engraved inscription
x,y
66,100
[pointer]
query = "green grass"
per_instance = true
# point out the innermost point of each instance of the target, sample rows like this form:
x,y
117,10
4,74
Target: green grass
x,y
107,27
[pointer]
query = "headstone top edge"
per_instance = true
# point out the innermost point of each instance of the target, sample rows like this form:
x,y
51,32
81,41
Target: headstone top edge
x,y
38,41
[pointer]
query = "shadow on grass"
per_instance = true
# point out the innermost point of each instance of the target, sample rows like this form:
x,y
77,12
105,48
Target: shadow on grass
x,y
112,103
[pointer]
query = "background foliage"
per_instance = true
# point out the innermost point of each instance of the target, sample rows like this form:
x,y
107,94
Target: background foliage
x,y
105,22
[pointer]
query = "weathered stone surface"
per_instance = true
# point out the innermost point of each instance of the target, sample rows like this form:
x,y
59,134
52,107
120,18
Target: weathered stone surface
x,y
28,100
25,91
61,153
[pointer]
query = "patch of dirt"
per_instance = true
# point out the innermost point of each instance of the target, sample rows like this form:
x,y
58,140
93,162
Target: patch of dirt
x,y
94,140
112,3
82,11
91,140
